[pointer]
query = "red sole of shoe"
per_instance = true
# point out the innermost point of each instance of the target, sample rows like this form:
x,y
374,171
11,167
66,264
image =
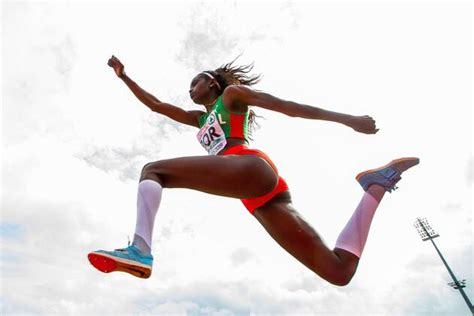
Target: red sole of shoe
x,y
102,263
106,264
413,160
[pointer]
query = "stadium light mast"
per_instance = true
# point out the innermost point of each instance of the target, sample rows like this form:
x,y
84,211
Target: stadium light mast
x,y
428,233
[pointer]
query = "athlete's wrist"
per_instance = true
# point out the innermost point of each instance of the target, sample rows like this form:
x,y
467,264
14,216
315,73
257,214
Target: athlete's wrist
x,y
345,119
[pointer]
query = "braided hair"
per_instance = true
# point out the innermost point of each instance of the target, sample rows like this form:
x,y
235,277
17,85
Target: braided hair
x,y
229,74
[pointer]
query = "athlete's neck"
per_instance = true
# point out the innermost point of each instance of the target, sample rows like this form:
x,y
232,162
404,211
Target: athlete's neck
x,y
210,105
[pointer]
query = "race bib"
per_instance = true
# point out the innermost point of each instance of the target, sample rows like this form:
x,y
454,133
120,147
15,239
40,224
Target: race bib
x,y
212,136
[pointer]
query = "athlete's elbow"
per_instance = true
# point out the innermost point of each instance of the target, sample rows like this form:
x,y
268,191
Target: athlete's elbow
x,y
159,107
291,114
154,106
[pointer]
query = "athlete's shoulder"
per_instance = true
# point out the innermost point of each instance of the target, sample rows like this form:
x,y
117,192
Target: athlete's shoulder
x,y
238,92
236,97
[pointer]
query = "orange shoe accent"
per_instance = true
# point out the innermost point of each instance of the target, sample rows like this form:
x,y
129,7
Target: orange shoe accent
x,y
401,165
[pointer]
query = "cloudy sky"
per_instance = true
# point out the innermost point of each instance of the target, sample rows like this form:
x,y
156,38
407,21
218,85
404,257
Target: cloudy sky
x,y
74,140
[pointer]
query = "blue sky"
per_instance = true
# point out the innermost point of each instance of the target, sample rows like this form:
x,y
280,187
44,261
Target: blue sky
x,y
74,140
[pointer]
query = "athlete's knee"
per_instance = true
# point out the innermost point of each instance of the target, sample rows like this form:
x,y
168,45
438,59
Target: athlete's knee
x,y
147,168
341,278
151,171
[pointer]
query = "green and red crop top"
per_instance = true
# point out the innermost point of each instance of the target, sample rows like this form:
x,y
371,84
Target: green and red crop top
x,y
220,124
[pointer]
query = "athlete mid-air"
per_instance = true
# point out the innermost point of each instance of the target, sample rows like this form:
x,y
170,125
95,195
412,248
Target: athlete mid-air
x,y
234,170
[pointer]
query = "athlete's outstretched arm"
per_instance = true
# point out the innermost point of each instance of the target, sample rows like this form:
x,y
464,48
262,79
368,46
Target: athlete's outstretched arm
x,y
173,112
242,94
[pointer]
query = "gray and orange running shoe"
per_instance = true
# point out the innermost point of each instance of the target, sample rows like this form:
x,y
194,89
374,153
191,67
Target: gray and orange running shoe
x,y
388,175
130,260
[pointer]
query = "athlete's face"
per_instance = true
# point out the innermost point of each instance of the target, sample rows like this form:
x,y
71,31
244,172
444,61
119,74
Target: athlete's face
x,y
200,89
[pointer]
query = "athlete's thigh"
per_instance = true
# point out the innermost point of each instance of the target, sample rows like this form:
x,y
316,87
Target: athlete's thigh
x,y
297,237
291,231
234,176
285,224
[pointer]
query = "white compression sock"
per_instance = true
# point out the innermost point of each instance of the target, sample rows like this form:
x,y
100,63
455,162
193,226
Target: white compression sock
x,y
355,233
148,201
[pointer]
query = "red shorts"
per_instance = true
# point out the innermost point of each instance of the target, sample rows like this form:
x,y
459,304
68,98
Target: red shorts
x,y
254,203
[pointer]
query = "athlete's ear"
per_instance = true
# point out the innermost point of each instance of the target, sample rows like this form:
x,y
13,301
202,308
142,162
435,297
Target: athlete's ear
x,y
213,83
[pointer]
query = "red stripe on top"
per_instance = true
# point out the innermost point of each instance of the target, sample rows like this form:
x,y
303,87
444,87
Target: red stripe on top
x,y
237,125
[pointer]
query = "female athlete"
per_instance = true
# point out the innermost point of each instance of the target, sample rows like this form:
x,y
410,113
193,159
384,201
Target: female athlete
x,y
234,170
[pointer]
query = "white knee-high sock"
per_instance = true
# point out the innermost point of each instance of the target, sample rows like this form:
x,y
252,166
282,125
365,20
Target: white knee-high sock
x,y
148,201
355,233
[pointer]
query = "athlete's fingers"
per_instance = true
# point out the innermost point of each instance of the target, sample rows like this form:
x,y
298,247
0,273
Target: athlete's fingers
x,y
116,61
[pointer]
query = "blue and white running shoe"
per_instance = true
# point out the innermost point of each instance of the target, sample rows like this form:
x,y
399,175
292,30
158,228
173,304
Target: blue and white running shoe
x,y
130,260
388,175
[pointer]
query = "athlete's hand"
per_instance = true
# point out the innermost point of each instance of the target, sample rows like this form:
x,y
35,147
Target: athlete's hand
x,y
118,67
363,124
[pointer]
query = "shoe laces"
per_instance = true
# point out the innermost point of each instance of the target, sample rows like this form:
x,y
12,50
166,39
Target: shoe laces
x,y
126,248
393,185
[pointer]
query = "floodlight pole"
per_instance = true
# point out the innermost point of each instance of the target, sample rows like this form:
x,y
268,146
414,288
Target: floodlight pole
x,y
429,234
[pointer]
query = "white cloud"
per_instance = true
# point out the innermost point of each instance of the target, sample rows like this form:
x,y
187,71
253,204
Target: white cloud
x,y
241,256
470,171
